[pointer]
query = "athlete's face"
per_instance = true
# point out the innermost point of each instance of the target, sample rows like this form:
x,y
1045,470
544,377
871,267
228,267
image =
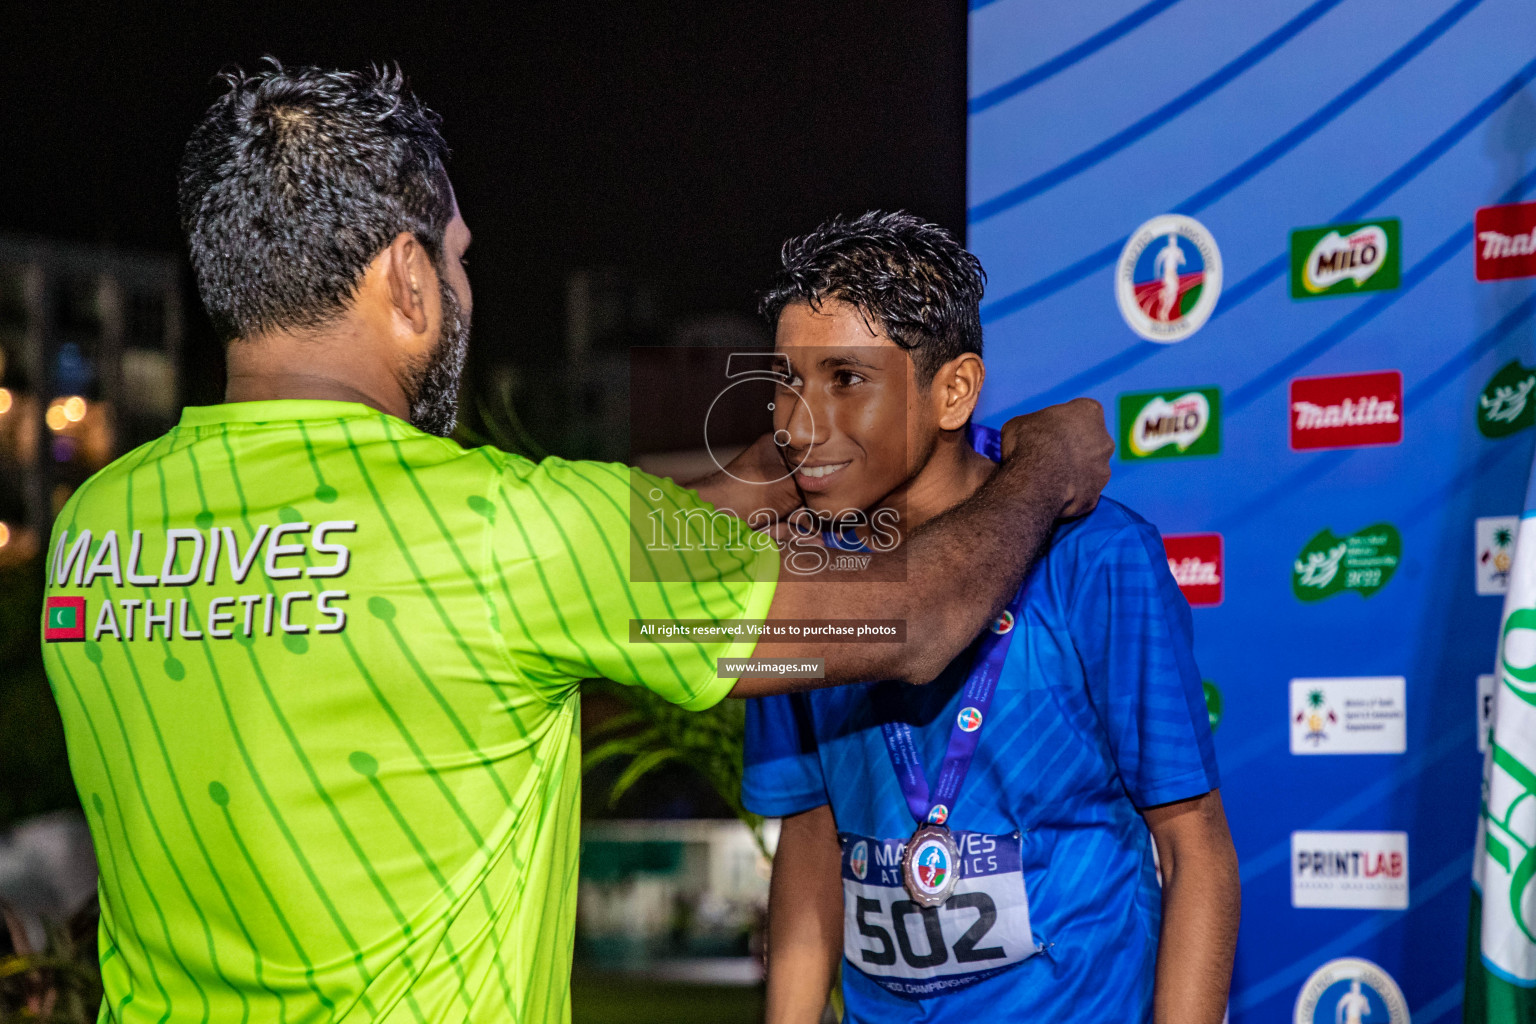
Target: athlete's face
x,y
432,382
856,424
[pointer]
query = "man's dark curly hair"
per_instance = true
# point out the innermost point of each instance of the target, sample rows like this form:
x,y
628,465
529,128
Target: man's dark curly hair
x,y
907,277
295,180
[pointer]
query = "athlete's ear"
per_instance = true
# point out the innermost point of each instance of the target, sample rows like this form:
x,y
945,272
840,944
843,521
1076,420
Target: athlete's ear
x,y
955,389
410,279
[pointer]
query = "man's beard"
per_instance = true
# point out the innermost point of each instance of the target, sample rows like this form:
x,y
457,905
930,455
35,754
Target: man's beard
x,y
432,384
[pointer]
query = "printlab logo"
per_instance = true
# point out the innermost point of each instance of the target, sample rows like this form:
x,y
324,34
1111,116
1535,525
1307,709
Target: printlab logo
x,y
1195,559
64,618
1362,562
1159,424
1505,405
1354,715
1350,991
1349,870
1168,278
1506,241
1347,411
1494,540
1345,259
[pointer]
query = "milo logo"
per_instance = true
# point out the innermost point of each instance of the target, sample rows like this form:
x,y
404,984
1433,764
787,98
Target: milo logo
x,y
1345,259
1362,561
1505,405
1160,424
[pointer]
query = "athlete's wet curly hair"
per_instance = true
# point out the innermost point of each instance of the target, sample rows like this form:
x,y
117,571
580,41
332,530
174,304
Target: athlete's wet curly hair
x,y
295,180
907,277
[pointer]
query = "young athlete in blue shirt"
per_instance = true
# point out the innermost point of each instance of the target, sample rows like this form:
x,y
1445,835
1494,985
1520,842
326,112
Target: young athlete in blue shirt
x,y
1036,835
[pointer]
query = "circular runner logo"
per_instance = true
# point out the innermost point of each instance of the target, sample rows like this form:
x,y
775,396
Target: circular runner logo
x,y
858,859
1168,278
1350,991
969,719
1003,623
932,866
939,815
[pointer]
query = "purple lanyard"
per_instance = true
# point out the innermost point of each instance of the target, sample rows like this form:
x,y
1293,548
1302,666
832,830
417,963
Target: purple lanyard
x,y
964,735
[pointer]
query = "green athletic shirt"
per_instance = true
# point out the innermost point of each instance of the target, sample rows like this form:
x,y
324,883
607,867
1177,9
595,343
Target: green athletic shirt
x,y
319,672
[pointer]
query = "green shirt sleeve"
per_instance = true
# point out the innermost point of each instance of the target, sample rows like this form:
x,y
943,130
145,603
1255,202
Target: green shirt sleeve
x,y
582,548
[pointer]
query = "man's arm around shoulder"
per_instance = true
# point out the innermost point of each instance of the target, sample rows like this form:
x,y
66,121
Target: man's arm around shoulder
x,y
1055,464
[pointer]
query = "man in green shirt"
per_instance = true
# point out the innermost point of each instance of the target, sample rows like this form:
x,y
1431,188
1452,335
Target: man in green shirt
x,y
319,667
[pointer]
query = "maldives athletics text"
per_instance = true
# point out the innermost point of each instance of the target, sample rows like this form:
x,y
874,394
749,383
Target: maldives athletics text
x,y
196,559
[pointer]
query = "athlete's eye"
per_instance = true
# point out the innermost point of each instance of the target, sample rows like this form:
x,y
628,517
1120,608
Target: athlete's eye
x,y
848,379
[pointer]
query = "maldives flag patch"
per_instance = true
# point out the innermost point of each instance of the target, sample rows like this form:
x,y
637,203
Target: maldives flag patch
x,y
65,618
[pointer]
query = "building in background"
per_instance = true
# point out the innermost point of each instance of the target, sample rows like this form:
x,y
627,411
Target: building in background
x,y
89,339
580,400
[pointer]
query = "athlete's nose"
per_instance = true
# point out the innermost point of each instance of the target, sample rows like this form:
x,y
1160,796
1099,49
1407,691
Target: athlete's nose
x,y
797,423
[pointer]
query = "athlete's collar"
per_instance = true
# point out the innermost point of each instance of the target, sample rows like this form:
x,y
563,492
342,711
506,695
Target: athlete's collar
x,y
274,411
986,440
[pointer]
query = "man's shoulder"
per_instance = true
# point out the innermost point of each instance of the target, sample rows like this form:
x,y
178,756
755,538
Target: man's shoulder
x,y
574,483
1102,550
1109,527
105,487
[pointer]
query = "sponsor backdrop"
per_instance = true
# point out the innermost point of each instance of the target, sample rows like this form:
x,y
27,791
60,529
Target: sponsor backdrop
x,y
1285,245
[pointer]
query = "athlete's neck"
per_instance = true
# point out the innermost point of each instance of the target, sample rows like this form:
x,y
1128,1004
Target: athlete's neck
x,y
953,472
339,365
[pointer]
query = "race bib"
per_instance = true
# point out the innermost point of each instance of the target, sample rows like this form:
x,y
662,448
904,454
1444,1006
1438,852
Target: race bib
x,y
914,950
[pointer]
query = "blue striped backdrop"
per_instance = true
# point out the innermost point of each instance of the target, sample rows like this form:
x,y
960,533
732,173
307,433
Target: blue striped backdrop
x,y
1087,119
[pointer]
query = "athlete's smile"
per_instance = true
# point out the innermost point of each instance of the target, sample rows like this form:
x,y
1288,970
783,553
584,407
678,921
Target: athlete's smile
x,y
819,477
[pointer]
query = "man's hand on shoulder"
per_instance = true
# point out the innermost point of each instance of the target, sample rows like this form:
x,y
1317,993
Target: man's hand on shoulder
x,y
1067,445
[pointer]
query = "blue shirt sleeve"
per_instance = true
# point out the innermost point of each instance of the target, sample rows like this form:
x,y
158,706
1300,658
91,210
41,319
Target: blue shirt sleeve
x,y
1134,635
782,771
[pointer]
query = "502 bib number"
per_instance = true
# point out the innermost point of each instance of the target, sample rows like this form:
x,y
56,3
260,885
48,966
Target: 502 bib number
x,y
915,950
868,915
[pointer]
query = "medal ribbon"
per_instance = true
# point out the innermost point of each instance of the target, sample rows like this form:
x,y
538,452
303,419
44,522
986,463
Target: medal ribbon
x,y
979,689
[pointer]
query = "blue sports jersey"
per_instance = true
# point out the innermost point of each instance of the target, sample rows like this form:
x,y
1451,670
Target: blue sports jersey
x,y
1099,711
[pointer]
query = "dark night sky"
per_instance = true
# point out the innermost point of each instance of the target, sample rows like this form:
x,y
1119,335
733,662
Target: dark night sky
x,y
681,141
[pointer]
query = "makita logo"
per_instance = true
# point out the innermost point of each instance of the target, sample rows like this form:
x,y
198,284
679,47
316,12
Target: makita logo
x,y
1362,413
1506,241
1195,572
1194,559
1346,411
1500,247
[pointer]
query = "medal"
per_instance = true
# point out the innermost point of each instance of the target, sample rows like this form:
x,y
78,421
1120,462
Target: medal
x,y
930,867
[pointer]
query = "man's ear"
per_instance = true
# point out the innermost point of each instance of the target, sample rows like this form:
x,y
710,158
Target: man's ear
x,y
409,276
955,388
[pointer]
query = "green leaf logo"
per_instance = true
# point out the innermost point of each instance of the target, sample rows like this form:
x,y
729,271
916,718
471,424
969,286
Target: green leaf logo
x,y
1506,405
1363,561
1212,702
